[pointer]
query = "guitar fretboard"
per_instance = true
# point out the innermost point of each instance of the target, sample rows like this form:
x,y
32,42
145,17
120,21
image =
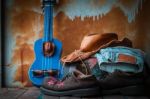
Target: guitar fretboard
x,y
48,22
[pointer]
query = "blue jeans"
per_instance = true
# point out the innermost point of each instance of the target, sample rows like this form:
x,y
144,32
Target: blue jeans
x,y
112,53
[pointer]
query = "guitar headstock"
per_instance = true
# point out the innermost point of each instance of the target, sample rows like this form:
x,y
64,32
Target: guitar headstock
x,y
49,2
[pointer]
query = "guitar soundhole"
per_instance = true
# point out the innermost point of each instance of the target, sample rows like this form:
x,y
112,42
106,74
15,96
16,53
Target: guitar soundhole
x,y
43,73
48,48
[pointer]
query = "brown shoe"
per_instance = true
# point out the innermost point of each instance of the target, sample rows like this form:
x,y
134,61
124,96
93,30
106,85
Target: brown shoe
x,y
74,84
124,83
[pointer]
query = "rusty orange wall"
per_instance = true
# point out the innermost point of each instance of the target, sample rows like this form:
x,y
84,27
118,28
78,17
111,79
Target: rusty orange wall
x,y
24,22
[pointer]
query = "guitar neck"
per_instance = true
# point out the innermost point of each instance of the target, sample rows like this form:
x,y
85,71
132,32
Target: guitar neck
x,y
48,21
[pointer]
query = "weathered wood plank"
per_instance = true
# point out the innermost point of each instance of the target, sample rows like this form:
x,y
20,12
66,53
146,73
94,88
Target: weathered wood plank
x,y
64,97
3,91
31,93
96,97
135,97
92,98
75,98
49,97
113,97
12,93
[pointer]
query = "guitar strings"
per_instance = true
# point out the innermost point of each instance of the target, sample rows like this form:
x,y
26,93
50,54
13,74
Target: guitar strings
x,y
43,39
48,35
51,24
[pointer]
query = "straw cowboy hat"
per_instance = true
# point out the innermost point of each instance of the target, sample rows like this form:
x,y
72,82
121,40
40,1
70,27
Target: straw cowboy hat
x,y
91,43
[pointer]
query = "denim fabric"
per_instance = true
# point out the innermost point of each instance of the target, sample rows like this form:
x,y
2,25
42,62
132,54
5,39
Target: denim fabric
x,y
125,67
92,64
110,54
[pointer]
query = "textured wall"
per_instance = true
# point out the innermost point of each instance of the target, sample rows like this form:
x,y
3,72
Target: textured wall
x,y
0,53
72,20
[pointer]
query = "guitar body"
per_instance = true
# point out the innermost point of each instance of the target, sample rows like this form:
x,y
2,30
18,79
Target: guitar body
x,y
44,63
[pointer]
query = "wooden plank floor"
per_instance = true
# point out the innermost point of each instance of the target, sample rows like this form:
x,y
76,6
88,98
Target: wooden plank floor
x,y
34,93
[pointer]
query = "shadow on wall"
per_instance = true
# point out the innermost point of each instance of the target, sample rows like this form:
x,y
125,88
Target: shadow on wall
x,y
143,31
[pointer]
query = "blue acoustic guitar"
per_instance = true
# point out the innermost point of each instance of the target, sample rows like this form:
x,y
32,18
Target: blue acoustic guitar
x,y
47,50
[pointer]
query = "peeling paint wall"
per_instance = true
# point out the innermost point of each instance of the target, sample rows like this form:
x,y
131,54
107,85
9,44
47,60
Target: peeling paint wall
x,y
72,20
99,8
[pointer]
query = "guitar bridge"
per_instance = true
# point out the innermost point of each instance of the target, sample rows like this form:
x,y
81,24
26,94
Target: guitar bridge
x,y
43,73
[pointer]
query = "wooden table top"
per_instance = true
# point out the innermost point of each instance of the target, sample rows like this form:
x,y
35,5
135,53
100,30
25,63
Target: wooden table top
x,y
34,93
